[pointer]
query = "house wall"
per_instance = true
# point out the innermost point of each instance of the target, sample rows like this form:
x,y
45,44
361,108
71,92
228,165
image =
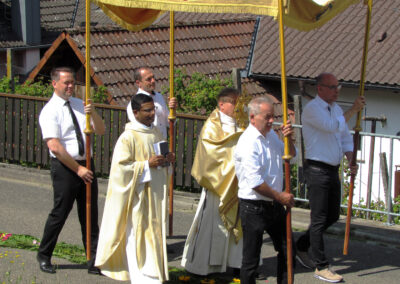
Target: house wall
x,y
23,61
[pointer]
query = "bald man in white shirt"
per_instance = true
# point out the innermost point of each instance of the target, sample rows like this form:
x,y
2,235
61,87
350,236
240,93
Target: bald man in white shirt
x,y
327,139
145,80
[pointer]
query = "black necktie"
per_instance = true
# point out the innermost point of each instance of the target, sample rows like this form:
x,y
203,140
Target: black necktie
x,y
77,129
329,108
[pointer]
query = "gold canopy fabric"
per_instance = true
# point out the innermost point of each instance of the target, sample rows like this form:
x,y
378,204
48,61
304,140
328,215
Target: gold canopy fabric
x,y
302,15
214,169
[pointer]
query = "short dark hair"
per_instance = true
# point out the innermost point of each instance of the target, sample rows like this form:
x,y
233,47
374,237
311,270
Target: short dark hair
x,y
55,72
137,75
227,92
139,99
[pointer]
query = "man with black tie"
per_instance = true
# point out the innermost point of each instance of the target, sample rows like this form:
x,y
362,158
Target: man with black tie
x,y
62,122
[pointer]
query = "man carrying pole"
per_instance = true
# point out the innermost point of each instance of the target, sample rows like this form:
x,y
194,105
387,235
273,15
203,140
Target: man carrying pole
x,y
258,165
326,139
146,82
62,121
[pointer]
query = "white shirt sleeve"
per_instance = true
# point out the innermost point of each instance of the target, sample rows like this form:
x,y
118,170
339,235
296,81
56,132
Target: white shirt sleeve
x,y
49,125
250,169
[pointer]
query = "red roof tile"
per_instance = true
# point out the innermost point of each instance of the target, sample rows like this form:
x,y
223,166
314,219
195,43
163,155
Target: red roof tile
x,y
336,47
212,49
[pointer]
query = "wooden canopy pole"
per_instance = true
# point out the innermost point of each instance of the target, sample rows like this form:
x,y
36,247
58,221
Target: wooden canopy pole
x,y
171,117
357,128
286,156
88,131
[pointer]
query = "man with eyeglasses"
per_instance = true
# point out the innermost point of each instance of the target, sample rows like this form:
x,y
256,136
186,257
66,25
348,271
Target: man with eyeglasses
x,y
326,139
132,242
146,82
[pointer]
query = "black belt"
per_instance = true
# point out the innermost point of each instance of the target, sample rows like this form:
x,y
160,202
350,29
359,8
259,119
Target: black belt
x,y
257,202
80,162
322,165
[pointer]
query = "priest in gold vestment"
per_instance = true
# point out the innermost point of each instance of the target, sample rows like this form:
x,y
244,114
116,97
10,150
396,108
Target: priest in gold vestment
x,y
132,242
214,240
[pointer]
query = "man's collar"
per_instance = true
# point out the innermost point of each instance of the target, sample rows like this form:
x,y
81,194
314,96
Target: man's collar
x,y
322,102
59,99
138,124
141,91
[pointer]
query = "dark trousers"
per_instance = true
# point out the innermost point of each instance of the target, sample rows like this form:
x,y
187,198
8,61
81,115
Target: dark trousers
x,y
258,216
68,187
324,194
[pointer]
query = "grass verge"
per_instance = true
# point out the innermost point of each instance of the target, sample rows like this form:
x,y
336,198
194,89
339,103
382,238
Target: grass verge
x,y
72,253
76,254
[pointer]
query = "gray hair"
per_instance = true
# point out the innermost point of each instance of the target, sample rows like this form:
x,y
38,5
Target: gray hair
x,y
254,104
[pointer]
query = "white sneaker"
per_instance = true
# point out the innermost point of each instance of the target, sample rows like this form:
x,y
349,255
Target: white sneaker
x,y
328,275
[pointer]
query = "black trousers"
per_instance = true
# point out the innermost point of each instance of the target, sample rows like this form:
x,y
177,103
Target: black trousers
x,y
258,216
324,194
68,187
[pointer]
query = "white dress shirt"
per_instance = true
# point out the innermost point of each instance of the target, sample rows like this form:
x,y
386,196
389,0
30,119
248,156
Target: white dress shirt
x,y
258,159
56,122
162,111
325,132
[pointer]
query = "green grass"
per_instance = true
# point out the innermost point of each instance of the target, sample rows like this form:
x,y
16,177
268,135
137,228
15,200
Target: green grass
x,y
72,253
76,254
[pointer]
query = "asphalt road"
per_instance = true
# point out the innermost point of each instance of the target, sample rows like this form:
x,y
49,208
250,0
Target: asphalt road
x,y
26,199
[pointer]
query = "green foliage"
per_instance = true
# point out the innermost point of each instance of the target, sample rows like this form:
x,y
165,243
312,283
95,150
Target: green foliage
x,y
37,89
197,93
5,85
100,95
73,253
378,205
42,88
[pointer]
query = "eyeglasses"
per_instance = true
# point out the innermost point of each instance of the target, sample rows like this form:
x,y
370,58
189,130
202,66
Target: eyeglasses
x,y
148,110
332,87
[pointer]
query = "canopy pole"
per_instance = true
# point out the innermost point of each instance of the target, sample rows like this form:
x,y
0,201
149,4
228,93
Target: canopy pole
x,y
171,117
357,128
88,131
286,156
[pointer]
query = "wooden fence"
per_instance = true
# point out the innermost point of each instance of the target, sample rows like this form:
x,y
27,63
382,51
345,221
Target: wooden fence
x,y
21,139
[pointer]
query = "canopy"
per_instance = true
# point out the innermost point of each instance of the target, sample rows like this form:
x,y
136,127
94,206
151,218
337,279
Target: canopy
x,y
303,15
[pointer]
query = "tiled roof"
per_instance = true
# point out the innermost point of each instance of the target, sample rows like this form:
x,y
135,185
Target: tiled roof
x,y
57,15
210,49
336,47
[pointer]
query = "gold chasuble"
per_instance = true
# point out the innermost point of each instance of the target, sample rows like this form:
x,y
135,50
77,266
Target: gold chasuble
x,y
144,203
214,169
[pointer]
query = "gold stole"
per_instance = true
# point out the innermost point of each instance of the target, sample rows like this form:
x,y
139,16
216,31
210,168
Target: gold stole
x,y
214,169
